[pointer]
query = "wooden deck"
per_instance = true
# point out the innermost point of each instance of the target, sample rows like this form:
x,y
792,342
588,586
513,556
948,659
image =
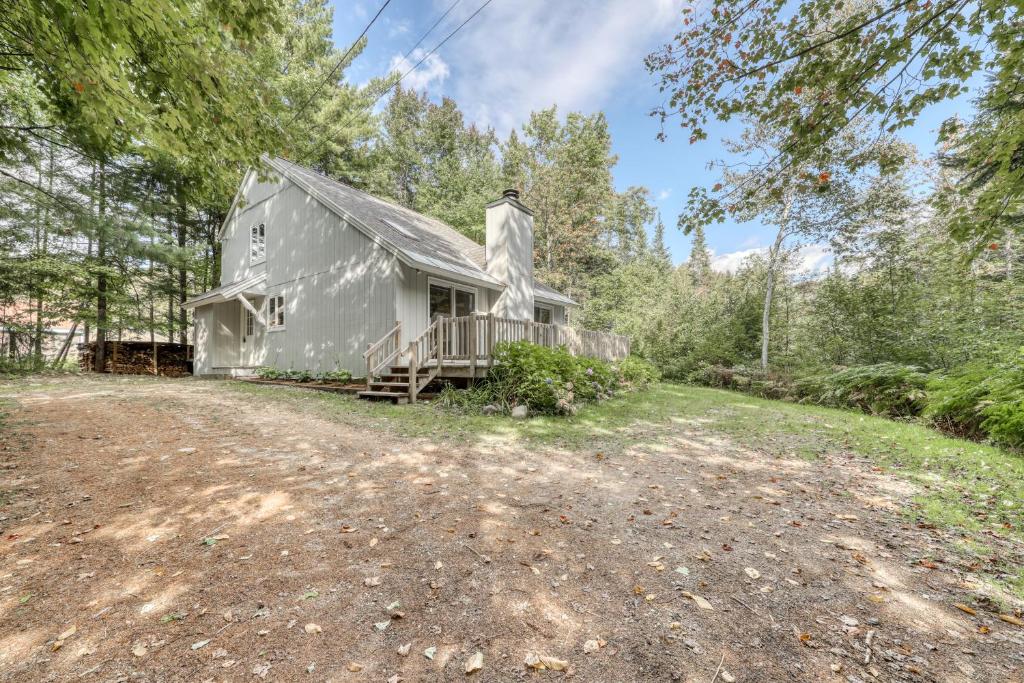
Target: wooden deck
x,y
463,347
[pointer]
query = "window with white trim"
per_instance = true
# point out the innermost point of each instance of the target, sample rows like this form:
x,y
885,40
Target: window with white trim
x,y
275,312
257,243
250,323
542,314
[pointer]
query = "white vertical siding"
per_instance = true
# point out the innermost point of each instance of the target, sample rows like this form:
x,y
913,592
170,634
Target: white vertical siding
x,y
255,207
226,319
339,287
413,295
203,322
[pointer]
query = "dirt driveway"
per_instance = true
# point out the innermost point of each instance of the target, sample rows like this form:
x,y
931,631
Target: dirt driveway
x,y
177,530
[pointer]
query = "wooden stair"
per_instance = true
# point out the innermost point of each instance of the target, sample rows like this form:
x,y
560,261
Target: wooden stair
x,y
392,385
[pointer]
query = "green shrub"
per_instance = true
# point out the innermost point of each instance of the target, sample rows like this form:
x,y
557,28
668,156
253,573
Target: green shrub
x,y
303,375
547,380
638,372
339,376
981,400
746,379
268,373
884,389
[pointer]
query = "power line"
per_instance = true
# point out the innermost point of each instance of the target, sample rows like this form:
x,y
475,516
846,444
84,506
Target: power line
x,y
337,66
432,51
425,57
430,30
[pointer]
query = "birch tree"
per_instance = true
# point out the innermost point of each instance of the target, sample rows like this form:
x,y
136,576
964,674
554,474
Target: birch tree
x,y
828,197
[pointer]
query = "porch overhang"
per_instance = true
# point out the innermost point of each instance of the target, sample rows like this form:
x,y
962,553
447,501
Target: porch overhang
x,y
251,286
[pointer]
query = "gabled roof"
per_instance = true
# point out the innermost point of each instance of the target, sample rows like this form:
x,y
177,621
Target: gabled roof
x,y
419,241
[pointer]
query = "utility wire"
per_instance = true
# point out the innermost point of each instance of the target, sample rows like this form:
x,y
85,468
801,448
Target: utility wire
x,y
433,50
337,66
430,30
425,57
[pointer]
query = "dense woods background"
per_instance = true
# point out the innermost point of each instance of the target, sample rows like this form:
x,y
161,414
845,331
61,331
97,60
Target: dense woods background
x,y
125,128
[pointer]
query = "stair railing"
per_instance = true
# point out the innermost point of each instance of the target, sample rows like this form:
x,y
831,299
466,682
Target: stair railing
x,y
381,353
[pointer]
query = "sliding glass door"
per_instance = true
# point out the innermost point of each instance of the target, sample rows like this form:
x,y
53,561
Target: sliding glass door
x,y
447,300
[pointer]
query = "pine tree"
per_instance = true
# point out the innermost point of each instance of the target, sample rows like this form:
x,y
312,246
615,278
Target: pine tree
x,y
658,249
699,264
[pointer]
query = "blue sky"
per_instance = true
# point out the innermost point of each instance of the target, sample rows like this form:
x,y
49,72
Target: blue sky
x,y
518,56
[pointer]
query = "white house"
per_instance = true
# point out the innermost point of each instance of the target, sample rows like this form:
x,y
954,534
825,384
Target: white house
x,y
319,276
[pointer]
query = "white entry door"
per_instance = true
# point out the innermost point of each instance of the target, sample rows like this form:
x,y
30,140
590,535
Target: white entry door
x,y
248,337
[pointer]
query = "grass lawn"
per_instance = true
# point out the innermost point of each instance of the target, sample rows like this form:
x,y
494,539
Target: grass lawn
x,y
967,488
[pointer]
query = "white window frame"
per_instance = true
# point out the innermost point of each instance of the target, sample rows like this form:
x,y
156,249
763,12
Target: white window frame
x,y
276,311
475,291
550,309
257,243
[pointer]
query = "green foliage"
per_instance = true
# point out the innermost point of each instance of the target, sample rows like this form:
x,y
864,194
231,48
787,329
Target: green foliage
x,y
981,400
304,376
337,376
638,372
547,381
887,389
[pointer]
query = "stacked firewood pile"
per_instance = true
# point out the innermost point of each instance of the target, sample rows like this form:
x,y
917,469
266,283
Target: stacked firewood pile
x,y
137,358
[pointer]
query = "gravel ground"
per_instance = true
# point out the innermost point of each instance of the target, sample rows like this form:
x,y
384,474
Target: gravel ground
x,y
176,530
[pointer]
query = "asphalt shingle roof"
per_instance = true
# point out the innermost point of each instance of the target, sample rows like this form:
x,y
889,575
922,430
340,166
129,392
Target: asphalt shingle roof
x,y
422,239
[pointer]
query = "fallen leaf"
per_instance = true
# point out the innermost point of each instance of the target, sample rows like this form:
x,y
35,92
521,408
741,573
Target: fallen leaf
x,y
404,649
591,646
540,662
313,628
355,667
346,529
200,643
382,625
430,652
139,650
475,663
752,573
682,570
701,602
438,565
373,541
1010,619
371,581
727,677
67,634
965,608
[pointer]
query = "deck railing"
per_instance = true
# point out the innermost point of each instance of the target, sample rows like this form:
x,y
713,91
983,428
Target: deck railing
x,y
472,338
469,341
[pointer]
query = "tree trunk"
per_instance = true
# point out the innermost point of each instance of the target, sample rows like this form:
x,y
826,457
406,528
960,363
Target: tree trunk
x,y
101,277
182,270
63,353
773,262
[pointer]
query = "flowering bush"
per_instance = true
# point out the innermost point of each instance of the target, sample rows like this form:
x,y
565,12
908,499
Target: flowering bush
x,y
548,380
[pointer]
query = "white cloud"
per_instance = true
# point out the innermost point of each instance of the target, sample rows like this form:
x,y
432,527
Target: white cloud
x,y
397,28
434,69
664,194
811,259
518,57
